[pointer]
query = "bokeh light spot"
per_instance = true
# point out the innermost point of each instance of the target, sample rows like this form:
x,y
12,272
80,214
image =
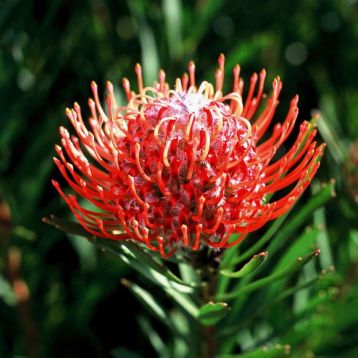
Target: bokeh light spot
x,y
224,26
126,27
296,53
25,79
330,22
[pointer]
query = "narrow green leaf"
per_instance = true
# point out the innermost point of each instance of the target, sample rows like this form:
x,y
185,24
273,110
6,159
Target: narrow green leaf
x,y
180,321
335,144
149,51
300,262
255,262
122,352
226,262
323,241
176,291
145,258
183,301
202,15
182,341
153,275
231,259
312,126
230,254
264,239
229,331
278,351
147,300
353,244
85,250
65,225
127,248
211,313
24,233
6,292
153,337
299,247
188,273
320,198
172,12
320,299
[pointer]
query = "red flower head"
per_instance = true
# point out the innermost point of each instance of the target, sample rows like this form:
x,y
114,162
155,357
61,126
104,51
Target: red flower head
x,y
184,167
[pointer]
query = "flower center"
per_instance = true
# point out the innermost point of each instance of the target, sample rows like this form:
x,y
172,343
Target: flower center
x,y
190,102
195,163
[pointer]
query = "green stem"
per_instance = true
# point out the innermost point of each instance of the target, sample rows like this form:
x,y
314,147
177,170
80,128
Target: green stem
x,y
209,344
207,264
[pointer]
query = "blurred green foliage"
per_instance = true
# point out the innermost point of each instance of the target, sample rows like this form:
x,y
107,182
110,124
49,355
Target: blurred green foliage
x,y
49,53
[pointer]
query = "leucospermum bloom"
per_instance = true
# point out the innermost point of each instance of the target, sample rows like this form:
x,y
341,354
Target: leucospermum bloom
x,y
184,167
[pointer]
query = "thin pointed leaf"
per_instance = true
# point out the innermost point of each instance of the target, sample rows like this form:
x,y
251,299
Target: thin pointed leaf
x,y
68,226
175,291
312,126
126,248
320,198
300,262
211,313
145,258
255,262
277,351
122,352
321,298
153,337
149,52
335,145
145,270
24,233
323,241
181,322
203,14
183,301
229,331
6,292
172,12
230,254
188,274
265,238
85,250
227,261
148,301
303,244
182,342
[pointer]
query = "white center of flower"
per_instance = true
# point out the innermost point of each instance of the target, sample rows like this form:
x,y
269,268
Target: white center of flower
x,y
193,101
181,104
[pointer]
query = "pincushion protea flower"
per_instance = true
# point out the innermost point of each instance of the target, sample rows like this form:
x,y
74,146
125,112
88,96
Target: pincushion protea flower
x,y
184,167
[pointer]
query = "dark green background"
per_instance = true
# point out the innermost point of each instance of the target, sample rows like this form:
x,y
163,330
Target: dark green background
x,y
49,53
